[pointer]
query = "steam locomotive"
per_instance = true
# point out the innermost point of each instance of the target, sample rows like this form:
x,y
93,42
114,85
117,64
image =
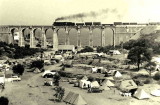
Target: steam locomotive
x,y
75,24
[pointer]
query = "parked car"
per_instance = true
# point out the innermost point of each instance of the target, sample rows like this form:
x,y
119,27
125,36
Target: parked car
x,y
49,73
95,90
15,78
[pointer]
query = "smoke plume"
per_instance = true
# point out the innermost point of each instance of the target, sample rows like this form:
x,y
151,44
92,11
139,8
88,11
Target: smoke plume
x,y
90,14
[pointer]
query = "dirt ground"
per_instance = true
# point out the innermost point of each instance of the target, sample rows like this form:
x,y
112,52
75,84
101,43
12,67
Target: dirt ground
x,y
30,91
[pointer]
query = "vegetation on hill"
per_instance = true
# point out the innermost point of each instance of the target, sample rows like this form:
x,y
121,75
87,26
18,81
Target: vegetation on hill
x,y
14,51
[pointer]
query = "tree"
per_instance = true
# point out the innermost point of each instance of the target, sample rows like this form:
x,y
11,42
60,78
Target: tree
x,y
4,100
150,66
59,93
18,69
140,54
56,78
100,49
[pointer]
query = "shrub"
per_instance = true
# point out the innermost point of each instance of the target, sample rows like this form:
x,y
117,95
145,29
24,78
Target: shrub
x,y
18,69
87,49
65,74
139,82
4,100
157,76
37,64
91,79
140,76
147,81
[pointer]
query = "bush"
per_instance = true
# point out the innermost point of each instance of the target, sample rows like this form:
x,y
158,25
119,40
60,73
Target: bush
x,y
65,74
87,49
139,82
157,76
91,79
140,76
147,81
37,64
18,69
4,100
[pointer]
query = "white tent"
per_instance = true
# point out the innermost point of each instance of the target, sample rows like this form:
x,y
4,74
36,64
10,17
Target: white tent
x,y
84,84
141,94
117,74
155,93
94,70
95,84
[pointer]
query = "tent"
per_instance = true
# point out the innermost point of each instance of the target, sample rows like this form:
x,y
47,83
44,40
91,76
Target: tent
x,y
127,85
117,74
79,101
141,94
107,83
36,70
94,70
105,87
95,84
85,78
68,97
74,99
155,93
84,84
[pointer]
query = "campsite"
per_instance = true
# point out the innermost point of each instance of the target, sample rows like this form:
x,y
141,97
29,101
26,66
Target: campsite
x,y
112,77
106,87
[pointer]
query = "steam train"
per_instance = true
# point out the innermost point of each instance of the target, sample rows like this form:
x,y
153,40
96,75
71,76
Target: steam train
x,y
90,23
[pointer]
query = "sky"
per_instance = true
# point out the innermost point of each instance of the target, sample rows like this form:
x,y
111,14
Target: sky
x,y
45,12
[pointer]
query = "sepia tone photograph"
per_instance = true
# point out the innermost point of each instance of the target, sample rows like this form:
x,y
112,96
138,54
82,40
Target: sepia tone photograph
x,y
79,52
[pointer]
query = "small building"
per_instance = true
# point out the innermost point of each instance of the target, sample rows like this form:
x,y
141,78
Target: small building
x,y
65,48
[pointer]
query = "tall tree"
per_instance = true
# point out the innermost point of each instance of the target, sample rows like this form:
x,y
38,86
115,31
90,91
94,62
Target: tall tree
x,y
140,54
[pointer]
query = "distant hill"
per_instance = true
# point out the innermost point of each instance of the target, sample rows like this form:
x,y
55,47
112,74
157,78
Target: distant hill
x,y
148,32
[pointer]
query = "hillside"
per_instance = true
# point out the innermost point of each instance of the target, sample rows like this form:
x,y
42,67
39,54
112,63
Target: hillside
x,y
148,32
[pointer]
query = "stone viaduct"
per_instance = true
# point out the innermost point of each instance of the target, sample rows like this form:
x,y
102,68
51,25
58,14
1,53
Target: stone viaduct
x,y
78,35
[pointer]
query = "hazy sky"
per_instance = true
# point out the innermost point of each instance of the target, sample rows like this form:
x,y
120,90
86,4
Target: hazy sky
x,y
44,12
